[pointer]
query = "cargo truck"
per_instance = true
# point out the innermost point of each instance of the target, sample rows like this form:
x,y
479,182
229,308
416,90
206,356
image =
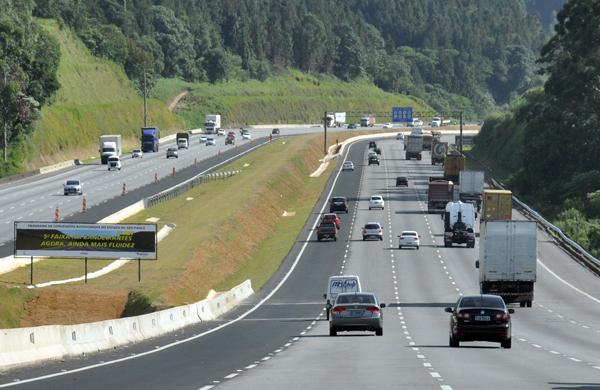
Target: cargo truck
x,y
471,187
459,224
438,152
414,146
212,123
183,140
439,193
497,205
367,120
507,260
336,119
454,162
110,145
427,140
150,139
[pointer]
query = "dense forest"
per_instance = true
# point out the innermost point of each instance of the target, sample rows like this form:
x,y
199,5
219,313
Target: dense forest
x,y
437,50
550,139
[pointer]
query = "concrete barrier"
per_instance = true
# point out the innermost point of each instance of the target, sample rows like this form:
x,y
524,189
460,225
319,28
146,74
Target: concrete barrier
x,y
27,346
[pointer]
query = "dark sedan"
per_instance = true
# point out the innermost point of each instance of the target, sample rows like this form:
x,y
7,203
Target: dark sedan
x,y
480,318
338,203
357,311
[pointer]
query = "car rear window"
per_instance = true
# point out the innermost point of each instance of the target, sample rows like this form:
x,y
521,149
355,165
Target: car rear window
x,y
356,298
72,182
409,234
494,302
372,226
338,200
376,198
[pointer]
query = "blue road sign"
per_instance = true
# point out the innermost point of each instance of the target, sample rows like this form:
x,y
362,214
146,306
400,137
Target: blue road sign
x,y
402,114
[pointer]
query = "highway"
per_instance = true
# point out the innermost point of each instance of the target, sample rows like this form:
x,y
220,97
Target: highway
x,y
279,338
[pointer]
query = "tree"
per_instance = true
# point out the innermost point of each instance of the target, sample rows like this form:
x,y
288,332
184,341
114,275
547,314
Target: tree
x,y
349,61
216,65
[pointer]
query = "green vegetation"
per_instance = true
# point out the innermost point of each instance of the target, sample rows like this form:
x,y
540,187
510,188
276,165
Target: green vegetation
x,y
476,56
292,97
13,301
95,97
549,139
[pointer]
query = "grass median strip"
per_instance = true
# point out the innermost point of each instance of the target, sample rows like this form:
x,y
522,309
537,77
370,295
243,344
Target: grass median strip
x,y
229,231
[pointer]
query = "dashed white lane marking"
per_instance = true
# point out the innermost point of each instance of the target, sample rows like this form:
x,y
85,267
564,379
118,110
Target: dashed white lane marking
x,y
250,366
206,387
426,364
232,375
435,375
574,359
445,387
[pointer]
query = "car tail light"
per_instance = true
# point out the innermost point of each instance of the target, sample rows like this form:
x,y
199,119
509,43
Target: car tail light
x,y
339,309
463,316
373,309
502,317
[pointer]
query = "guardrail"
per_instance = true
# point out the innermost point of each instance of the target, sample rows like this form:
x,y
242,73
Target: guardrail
x,y
571,246
185,186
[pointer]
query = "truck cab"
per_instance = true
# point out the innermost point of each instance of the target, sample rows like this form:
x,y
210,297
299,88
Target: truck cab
x,y
114,162
340,284
459,222
182,143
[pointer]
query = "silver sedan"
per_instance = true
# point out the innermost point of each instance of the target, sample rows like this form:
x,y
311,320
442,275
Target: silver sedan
x,y
356,311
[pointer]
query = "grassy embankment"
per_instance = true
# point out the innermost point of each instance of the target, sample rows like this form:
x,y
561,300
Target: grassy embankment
x,y
290,97
230,231
95,97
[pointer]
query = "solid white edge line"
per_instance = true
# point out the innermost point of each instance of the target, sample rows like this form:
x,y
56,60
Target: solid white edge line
x,y
242,316
567,283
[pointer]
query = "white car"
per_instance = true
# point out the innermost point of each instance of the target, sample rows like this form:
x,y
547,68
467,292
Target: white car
x,y
376,202
372,230
137,153
348,166
211,142
203,139
114,162
436,121
246,135
387,125
409,238
220,132
73,186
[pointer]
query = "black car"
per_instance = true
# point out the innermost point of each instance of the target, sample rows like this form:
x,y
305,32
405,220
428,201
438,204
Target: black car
x,y
327,230
338,203
401,181
374,160
372,144
352,126
480,318
275,131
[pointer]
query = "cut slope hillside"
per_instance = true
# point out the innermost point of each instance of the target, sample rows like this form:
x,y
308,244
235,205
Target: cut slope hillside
x,y
291,97
95,97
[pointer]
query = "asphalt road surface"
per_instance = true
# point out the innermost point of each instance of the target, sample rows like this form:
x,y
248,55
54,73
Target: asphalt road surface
x,y
279,338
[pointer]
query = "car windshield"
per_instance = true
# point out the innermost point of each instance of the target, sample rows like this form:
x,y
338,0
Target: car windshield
x,y
72,182
372,226
327,224
356,298
482,301
136,151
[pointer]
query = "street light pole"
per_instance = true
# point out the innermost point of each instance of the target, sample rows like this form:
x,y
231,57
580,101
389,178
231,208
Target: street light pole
x,y
145,102
460,144
325,133
4,145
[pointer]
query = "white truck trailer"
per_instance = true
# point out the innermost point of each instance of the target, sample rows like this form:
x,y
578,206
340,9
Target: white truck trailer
x,y
471,186
110,145
212,123
508,259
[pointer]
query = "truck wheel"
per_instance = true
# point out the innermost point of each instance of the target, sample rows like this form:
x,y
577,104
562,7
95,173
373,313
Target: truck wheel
x,y
447,244
453,342
506,343
379,332
332,332
528,303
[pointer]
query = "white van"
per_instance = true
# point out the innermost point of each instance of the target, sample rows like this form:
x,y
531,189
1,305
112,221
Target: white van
x,y
340,284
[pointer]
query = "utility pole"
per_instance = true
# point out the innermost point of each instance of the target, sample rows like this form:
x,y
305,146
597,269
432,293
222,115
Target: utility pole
x,y
460,144
5,145
145,102
325,133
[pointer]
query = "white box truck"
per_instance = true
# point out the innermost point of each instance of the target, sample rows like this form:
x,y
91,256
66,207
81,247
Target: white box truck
x,y
110,145
508,259
212,123
471,187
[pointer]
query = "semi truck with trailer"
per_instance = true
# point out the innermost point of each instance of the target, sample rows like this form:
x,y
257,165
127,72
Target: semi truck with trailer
x,y
497,205
367,120
454,162
150,139
507,260
183,140
471,187
439,193
438,152
459,224
414,146
212,123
